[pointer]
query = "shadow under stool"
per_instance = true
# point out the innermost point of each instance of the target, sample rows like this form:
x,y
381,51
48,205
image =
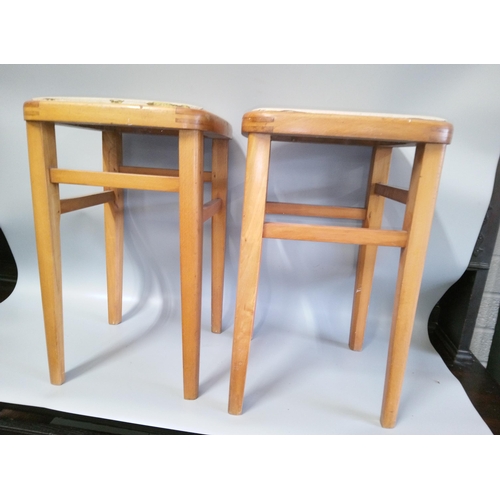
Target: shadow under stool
x,y
114,117
382,133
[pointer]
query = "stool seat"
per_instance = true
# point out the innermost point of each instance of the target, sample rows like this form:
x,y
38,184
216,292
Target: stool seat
x,y
113,118
130,116
337,127
382,132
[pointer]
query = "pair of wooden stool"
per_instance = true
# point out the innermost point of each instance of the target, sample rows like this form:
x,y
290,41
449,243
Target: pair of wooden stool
x,y
114,117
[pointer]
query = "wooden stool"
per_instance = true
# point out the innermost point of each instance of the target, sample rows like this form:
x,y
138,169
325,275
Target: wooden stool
x,y
114,117
382,133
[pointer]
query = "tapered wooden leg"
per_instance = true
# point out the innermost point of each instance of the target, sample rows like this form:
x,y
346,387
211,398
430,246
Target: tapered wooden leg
x,y
254,203
191,221
219,190
418,220
113,227
47,212
379,173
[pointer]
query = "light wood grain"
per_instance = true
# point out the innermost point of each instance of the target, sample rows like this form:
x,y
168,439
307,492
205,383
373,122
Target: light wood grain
x,y
382,132
191,225
254,204
91,200
335,234
133,115
367,254
352,126
300,209
211,208
113,227
115,117
220,152
46,210
115,180
393,193
418,221
166,172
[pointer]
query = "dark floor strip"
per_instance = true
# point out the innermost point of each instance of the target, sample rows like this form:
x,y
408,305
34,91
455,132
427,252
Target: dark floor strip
x,y
19,419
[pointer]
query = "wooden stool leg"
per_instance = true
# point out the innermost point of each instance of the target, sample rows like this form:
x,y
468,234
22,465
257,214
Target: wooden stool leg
x,y
418,220
113,226
254,206
191,220
47,212
219,190
379,173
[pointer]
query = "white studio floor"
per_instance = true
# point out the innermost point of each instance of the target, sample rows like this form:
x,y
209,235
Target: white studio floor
x,y
298,382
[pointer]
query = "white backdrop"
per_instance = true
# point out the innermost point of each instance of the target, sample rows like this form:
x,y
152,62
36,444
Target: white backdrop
x,y
305,288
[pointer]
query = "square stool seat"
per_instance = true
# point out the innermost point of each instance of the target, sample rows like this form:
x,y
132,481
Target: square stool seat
x,y
114,117
383,133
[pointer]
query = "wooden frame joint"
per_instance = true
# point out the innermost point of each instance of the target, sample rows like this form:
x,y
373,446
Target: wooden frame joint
x,y
393,193
91,200
211,208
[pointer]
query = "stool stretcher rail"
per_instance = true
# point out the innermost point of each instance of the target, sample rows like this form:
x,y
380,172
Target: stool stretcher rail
x,y
303,210
115,180
91,200
329,234
393,193
166,172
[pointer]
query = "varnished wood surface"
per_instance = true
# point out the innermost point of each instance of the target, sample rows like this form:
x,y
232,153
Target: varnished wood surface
x,y
167,172
211,208
114,180
430,135
112,158
146,115
361,127
191,250
220,155
115,117
335,234
254,206
304,210
91,200
419,213
367,254
393,193
47,215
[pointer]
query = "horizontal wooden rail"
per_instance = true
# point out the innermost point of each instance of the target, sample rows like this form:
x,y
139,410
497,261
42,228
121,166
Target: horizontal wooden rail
x,y
211,208
392,193
273,207
335,234
91,200
170,172
114,180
